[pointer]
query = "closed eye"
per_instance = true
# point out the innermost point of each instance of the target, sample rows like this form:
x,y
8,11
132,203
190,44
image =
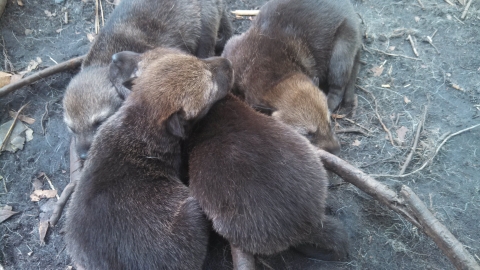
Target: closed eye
x,y
310,135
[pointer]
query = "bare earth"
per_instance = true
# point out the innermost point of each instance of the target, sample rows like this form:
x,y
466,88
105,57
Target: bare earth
x,y
448,81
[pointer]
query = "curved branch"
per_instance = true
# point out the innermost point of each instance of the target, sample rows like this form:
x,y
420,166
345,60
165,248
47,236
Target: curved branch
x,y
408,205
70,64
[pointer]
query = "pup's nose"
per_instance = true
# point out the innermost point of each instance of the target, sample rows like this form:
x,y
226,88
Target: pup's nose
x,y
82,155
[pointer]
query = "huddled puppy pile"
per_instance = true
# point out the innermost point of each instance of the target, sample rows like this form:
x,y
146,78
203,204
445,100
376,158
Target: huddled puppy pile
x,y
172,156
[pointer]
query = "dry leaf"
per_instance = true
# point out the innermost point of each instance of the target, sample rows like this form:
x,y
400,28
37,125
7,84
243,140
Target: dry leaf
x,y
406,100
28,32
356,143
391,48
377,71
6,212
5,78
48,13
39,194
456,86
17,137
401,132
15,78
20,3
90,37
59,30
22,117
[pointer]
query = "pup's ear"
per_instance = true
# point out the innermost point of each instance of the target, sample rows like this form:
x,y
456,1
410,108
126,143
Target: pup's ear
x,y
176,125
122,70
222,71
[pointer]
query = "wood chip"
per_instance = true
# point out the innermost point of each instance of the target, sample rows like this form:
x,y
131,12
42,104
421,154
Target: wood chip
x,y
20,3
5,78
406,100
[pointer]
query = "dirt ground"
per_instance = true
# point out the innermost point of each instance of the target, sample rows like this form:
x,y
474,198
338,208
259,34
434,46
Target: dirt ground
x,y
445,76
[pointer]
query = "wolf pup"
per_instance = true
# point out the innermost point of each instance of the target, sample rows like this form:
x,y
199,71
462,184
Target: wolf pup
x,y
193,26
261,184
292,48
130,210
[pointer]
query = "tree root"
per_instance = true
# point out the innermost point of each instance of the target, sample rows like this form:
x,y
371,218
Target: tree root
x,y
408,205
242,260
75,169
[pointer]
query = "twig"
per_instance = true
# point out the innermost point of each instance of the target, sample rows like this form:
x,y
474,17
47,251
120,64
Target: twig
x,y
378,115
444,239
413,45
242,260
421,4
357,124
101,12
408,205
450,3
42,121
75,166
51,184
415,142
352,130
72,63
97,23
245,12
396,55
9,132
431,158
464,14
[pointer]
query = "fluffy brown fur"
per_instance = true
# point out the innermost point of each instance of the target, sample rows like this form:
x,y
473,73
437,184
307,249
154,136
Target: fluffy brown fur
x,y
130,210
261,184
138,25
317,38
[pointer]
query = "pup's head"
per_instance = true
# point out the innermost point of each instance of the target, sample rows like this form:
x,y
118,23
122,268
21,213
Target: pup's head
x,y
174,87
297,102
89,100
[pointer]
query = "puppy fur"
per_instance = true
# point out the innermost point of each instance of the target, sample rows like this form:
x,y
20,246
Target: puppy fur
x,y
198,27
130,210
261,183
317,38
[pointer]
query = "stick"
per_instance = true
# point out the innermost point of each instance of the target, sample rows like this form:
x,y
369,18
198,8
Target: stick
x,y
245,12
413,45
430,159
378,115
9,132
397,55
415,142
70,64
407,205
352,130
450,3
75,166
464,14
444,239
421,4
242,260
357,124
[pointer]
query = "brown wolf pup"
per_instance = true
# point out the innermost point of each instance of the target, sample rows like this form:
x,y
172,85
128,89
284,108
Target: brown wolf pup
x,y
130,210
199,27
292,48
261,184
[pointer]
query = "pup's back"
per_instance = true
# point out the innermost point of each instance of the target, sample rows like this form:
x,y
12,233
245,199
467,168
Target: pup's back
x,y
259,182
